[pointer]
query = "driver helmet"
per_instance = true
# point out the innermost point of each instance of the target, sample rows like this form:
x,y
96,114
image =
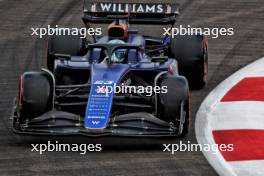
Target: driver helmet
x,y
119,55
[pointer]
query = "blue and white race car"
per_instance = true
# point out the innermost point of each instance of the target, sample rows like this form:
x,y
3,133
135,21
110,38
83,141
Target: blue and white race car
x,y
121,84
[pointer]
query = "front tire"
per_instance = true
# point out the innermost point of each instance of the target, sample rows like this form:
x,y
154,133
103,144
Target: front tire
x,y
35,95
175,103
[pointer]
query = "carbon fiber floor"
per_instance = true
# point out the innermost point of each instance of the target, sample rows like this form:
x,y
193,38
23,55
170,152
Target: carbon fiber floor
x,y
20,52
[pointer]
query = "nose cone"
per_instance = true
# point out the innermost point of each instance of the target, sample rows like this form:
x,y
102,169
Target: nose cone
x,y
104,79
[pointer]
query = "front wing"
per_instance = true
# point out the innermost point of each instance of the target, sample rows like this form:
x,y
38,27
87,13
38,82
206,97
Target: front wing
x,y
59,123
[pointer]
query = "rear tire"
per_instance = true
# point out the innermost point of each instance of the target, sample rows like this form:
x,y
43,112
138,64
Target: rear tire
x,y
191,53
35,95
72,45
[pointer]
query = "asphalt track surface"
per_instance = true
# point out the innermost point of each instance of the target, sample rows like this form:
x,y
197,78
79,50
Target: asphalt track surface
x,y
21,52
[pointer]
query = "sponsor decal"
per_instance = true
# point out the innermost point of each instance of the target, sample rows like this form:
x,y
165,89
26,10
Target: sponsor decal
x,y
100,103
132,7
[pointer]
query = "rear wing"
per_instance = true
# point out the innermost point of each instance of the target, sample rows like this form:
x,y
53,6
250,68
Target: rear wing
x,y
136,13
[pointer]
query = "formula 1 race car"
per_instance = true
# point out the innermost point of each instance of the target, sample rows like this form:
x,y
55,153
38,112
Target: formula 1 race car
x,y
75,94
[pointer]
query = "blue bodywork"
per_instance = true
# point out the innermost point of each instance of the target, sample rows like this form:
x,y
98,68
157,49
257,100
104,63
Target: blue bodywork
x,y
81,77
104,77
99,105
